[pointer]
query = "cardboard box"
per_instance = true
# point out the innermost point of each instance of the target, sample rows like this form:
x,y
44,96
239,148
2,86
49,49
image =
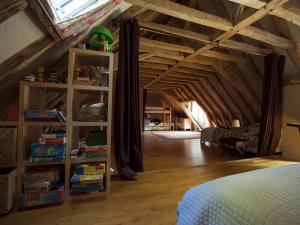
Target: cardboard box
x,y
8,145
8,189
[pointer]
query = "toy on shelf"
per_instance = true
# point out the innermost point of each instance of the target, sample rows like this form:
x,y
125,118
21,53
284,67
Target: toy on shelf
x,y
52,77
30,77
101,39
41,74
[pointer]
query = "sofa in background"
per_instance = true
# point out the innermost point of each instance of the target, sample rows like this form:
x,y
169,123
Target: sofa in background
x,y
213,135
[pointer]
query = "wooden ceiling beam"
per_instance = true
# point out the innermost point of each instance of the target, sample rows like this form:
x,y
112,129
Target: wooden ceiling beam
x,y
197,16
160,60
151,71
203,60
184,75
191,71
224,56
231,44
286,12
153,66
165,45
145,56
197,66
162,52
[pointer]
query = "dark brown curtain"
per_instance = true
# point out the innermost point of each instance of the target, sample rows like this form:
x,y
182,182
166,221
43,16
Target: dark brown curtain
x,y
144,106
271,112
127,133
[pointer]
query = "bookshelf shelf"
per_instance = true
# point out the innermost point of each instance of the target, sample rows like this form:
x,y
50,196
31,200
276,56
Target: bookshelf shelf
x,y
35,123
89,124
30,164
89,87
44,85
9,165
9,123
33,95
88,160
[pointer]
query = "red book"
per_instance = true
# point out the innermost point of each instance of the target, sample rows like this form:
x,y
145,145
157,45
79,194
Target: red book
x,y
52,140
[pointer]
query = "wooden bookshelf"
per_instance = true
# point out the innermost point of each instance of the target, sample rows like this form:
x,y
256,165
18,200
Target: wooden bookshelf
x,y
32,94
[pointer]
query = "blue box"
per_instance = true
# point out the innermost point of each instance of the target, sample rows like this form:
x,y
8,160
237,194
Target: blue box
x,y
38,149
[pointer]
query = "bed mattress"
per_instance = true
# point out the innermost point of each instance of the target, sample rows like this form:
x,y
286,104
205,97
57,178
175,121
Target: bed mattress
x,y
262,197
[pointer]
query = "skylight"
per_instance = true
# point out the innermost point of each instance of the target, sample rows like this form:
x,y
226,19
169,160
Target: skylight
x,y
65,10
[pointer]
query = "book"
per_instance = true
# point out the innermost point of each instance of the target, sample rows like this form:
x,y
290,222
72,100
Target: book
x,y
40,114
96,155
85,188
95,177
52,140
45,159
58,135
83,78
38,149
61,116
90,169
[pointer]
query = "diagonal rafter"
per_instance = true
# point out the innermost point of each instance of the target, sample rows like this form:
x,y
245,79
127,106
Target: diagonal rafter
x,y
230,44
200,17
287,12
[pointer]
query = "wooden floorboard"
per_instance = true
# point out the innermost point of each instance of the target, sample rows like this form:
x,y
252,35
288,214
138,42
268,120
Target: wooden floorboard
x,y
151,200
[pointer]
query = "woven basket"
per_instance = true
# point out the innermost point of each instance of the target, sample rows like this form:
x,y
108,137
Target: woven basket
x,y
8,190
8,145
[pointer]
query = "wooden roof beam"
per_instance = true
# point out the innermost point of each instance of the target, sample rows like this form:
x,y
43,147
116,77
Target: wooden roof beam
x,y
197,66
162,52
191,71
197,16
286,12
145,56
224,56
153,66
165,45
160,60
151,71
231,44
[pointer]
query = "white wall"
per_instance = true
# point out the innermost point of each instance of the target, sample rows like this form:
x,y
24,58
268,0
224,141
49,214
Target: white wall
x,y
17,32
291,113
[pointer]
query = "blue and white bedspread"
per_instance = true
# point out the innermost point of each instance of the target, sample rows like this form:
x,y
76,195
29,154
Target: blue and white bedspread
x,y
262,197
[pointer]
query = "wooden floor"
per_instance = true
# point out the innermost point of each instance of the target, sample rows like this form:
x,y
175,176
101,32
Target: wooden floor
x,y
152,200
161,154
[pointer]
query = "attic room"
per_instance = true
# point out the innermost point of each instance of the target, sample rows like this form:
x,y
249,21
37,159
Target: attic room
x,y
149,112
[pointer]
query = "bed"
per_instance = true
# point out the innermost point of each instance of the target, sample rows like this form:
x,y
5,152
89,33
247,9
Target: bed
x,y
262,197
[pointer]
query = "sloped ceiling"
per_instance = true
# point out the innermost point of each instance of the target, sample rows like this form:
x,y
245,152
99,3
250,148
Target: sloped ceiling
x,y
224,77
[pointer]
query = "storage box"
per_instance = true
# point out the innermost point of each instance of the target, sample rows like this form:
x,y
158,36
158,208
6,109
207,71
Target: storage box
x,y
41,175
7,189
8,145
31,199
47,149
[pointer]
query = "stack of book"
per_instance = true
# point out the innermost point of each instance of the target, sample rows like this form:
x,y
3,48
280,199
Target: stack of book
x,y
95,151
42,186
51,148
88,178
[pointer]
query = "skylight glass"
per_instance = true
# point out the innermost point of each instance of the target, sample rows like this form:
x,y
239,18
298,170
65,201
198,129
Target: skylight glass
x,y
65,10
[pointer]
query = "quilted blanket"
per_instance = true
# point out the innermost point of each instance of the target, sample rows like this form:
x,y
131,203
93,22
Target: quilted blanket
x,y
262,197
